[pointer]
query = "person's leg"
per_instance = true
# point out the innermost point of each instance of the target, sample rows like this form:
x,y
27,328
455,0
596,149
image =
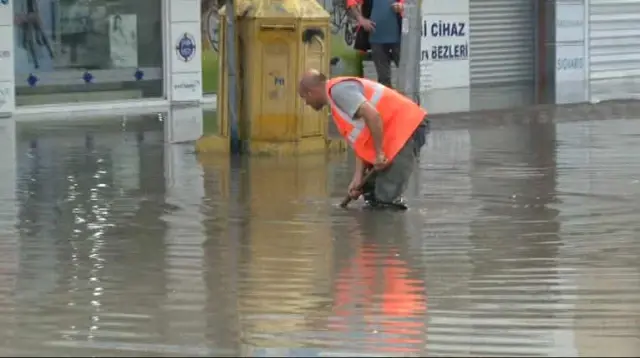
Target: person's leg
x,y
420,136
394,53
368,191
382,62
391,183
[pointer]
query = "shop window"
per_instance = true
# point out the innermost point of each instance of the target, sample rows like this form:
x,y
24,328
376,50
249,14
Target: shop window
x,y
79,50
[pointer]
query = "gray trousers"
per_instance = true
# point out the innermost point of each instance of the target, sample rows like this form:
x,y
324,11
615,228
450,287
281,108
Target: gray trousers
x,y
389,184
382,55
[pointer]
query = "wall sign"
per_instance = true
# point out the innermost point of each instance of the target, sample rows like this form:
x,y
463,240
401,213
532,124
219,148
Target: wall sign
x,y
186,47
570,76
4,2
185,68
186,87
569,21
444,50
449,49
570,62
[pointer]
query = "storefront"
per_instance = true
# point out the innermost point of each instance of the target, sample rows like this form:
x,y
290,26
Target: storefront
x,y
101,51
104,53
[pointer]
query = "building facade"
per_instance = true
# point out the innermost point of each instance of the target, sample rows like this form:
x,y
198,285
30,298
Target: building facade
x,y
54,53
560,51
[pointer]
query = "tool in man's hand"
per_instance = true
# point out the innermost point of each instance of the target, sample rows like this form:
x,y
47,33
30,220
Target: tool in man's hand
x,y
347,199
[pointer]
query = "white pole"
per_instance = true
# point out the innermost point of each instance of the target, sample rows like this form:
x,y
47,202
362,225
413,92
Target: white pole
x,y
409,68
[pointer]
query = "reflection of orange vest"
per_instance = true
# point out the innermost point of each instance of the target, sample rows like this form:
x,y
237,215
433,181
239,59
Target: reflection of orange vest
x,y
398,305
400,118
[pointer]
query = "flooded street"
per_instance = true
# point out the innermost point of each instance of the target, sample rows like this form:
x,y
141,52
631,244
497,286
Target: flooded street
x,y
522,240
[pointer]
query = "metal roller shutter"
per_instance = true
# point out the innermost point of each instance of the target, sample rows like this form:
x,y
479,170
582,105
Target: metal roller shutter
x,y
502,41
614,39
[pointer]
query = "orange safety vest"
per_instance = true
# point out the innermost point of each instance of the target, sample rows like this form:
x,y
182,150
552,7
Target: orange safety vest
x,y
400,118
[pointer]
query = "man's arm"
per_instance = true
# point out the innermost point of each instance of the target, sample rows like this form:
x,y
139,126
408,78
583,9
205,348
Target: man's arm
x,y
373,121
354,9
349,97
358,173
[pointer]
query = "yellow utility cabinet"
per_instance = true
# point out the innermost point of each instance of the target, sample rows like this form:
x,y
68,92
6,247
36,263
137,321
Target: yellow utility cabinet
x,y
277,40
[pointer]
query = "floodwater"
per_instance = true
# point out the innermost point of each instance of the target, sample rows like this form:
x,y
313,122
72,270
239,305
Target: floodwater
x,y
522,240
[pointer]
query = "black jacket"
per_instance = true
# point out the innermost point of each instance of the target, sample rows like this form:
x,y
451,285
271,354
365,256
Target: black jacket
x,y
362,36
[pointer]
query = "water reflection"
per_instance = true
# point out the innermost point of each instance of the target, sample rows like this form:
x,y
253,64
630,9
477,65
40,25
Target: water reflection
x,y
600,242
520,241
9,243
515,238
221,250
286,273
379,289
76,215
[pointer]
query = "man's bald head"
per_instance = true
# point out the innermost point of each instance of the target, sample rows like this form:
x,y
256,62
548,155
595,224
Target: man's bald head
x,y
312,78
312,89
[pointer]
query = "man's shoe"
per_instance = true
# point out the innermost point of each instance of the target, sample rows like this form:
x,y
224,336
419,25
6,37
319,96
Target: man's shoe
x,y
398,204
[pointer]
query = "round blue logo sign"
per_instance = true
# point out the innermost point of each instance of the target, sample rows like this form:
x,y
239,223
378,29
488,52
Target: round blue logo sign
x,y
185,48
4,2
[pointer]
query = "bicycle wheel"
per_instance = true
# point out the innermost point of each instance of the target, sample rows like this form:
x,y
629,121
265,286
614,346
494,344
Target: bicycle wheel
x,y
349,33
212,27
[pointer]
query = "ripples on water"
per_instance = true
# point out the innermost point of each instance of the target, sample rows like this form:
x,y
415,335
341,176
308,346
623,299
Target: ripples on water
x,y
522,240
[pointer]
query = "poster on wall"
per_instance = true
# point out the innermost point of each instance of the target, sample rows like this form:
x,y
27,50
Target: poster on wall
x,y
444,50
123,40
82,34
344,59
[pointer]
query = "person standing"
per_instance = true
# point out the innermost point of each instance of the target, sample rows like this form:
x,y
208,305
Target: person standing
x,y
379,26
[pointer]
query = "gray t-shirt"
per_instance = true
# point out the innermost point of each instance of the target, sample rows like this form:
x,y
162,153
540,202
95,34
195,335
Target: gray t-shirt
x,y
348,96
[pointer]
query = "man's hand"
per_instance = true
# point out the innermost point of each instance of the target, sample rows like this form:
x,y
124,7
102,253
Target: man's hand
x,y
354,8
358,175
381,162
398,7
367,24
